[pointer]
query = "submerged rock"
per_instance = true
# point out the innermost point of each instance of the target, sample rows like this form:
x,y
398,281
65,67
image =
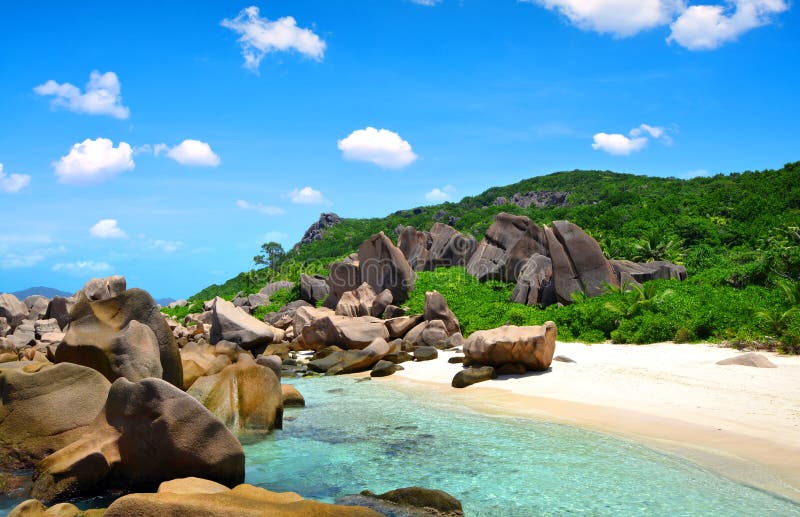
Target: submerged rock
x,y
408,502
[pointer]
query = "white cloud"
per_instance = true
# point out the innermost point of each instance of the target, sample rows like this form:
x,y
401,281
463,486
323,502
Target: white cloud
x,y
274,236
622,145
379,146
165,246
428,3
707,27
190,152
621,18
307,196
618,144
440,195
13,183
264,209
102,95
107,229
92,161
260,36
83,267
26,250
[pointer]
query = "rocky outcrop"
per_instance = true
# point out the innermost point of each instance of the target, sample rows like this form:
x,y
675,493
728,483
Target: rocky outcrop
x,y
313,289
37,306
44,408
316,231
148,432
442,246
383,266
122,336
532,346
273,287
292,397
539,199
245,396
191,498
228,323
639,273
59,308
509,242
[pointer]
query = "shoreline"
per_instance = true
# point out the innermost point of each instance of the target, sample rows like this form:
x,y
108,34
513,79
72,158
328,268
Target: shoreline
x,y
739,422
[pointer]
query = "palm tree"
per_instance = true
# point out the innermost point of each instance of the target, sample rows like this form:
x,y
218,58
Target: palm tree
x,y
654,248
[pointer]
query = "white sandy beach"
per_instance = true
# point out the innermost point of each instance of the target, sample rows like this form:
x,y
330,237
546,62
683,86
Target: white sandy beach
x,y
740,421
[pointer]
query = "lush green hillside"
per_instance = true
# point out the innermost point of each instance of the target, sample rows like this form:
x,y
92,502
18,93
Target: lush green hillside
x,y
737,235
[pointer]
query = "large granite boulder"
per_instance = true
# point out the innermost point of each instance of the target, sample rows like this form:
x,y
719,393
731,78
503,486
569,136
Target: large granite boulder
x,y
436,308
313,289
383,266
122,336
751,359
400,326
509,242
591,266
342,331
44,408
357,302
305,316
59,308
273,287
191,498
415,246
148,432
342,277
245,396
37,306
565,277
13,310
229,323
532,346
535,284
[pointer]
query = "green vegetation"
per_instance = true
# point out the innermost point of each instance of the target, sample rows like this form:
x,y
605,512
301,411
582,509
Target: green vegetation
x,y
737,234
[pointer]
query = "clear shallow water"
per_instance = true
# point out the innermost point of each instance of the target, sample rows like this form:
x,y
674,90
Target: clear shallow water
x,y
368,435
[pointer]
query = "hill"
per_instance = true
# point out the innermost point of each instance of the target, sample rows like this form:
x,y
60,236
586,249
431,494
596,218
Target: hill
x,y
48,292
737,235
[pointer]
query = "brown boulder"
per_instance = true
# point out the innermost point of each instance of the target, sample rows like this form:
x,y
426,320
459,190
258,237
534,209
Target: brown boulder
x,y
470,376
383,266
531,346
592,267
148,432
98,289
342,277
348,333
400,326
46,408
229,323
242,501
357,302
245,396
436,308
509,242
120,336
12,309
292,397
352,361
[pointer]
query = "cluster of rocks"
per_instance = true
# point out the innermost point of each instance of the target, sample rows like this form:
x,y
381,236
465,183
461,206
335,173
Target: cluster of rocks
x,y
121,397
198,496
316,231
539,199
548,264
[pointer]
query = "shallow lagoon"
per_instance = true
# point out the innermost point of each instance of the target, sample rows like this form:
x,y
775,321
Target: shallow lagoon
x,y
369,435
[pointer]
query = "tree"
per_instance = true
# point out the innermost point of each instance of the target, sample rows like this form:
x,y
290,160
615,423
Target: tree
x,y
271,255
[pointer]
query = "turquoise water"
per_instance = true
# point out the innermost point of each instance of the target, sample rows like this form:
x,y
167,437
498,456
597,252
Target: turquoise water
x,y
369,435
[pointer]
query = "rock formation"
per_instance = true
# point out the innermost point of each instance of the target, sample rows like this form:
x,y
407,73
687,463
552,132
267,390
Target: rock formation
x,y
532,346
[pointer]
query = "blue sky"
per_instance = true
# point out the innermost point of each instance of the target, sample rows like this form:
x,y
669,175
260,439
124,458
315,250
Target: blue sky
x,y
209,127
